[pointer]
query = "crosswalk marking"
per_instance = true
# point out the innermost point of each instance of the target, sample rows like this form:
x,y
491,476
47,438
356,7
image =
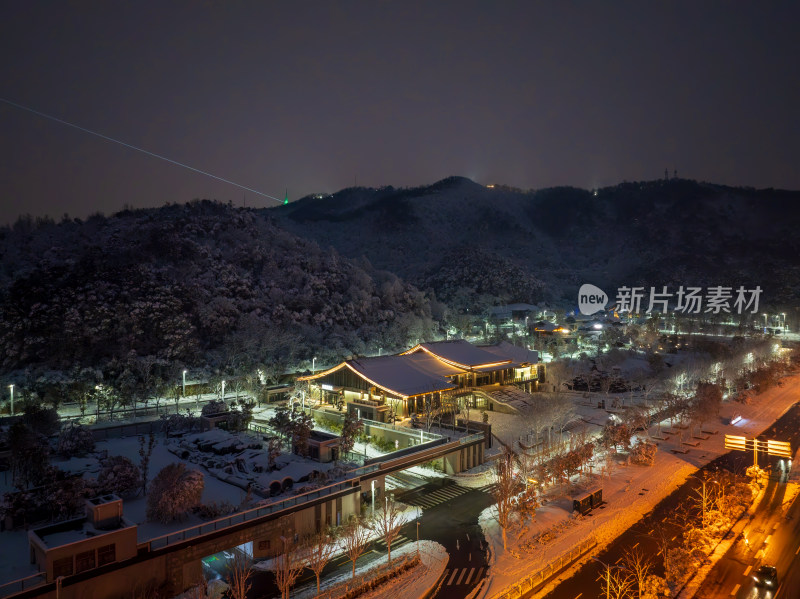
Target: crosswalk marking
x,y
429,500
460,572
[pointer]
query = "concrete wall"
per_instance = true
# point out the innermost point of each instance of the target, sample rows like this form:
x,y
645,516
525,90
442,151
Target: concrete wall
x,y
124,541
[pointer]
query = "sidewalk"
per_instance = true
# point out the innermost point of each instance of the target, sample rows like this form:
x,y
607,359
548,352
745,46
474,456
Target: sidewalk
x,y
630,493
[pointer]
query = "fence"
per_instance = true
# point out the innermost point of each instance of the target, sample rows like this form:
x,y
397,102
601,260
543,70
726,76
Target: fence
x,y
528,584
22,584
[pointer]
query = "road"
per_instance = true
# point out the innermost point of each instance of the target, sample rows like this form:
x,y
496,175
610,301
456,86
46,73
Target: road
x,y
449,516
643,535
451,519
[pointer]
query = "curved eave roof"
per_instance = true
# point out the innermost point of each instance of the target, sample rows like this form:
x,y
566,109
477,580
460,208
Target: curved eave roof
x,y
460,354
402,376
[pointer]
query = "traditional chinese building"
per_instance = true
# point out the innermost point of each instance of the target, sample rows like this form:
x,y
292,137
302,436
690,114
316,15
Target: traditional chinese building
x,y
439,375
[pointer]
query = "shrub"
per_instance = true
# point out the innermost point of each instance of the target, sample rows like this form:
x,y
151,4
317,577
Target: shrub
x,y
120,476
75,440
214,407
173,492
644,453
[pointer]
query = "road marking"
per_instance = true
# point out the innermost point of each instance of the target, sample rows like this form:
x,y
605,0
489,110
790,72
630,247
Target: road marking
x,y
651,531
750,567
635,546
578,596
735,589
464,571
618,561
659,553
478,575
469,575
767,539
760,554
673,538
776,525
798,551
452,576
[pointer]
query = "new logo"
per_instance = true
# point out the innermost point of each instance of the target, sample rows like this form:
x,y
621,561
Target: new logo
x,y
591,299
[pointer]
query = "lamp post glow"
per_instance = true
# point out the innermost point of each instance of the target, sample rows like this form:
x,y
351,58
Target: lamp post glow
x,y
313,363
783,318
183,388
11,388
765,323
223,389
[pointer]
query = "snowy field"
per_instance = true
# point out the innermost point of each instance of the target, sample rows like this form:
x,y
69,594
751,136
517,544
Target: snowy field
x,y
630,492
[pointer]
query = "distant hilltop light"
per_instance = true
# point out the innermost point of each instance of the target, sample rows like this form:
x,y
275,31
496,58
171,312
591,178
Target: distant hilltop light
x,y
490,186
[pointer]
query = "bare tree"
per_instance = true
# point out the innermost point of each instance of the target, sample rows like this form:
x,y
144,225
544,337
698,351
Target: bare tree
x,y
240,570
386,523
639,566
287,566
145,451
318,550
355,537
505,490
615,582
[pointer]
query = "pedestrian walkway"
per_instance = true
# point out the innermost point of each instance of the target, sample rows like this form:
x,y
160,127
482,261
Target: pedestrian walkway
x,y
461,576
430,499
488,488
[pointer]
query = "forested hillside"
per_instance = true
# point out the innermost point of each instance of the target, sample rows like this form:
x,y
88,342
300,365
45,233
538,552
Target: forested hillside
x,y
456,236
202,285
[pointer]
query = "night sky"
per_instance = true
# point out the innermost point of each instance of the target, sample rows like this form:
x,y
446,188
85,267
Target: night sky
x,y
315,96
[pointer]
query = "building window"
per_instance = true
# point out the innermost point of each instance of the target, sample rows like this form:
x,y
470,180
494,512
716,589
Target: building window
x,y
106,555
62,567
84,561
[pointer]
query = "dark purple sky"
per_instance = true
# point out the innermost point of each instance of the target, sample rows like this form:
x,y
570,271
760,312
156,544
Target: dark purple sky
x,y
310,95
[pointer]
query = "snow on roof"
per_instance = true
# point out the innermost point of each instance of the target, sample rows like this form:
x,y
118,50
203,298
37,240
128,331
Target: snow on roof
x,y
458,352
506,351
405,375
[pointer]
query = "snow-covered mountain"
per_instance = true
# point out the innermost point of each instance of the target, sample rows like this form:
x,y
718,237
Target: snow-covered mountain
x,y
196,284
456,237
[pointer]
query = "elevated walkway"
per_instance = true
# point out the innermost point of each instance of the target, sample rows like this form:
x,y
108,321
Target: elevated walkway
x,y
507,398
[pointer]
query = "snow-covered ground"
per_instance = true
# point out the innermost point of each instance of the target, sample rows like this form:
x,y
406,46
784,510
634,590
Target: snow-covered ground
x,y
630,492
414,582
408,514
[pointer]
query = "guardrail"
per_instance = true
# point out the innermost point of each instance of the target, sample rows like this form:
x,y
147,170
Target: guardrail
x,y
245,516
471,438
22,584
536,579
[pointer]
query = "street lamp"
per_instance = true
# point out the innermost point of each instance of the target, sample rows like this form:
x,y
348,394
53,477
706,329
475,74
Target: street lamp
x,y
783,318
313,362
223,389
184,383
11,388
765,323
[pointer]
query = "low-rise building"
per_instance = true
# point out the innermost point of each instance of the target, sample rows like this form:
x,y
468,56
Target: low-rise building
x,y
425,376
101,537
